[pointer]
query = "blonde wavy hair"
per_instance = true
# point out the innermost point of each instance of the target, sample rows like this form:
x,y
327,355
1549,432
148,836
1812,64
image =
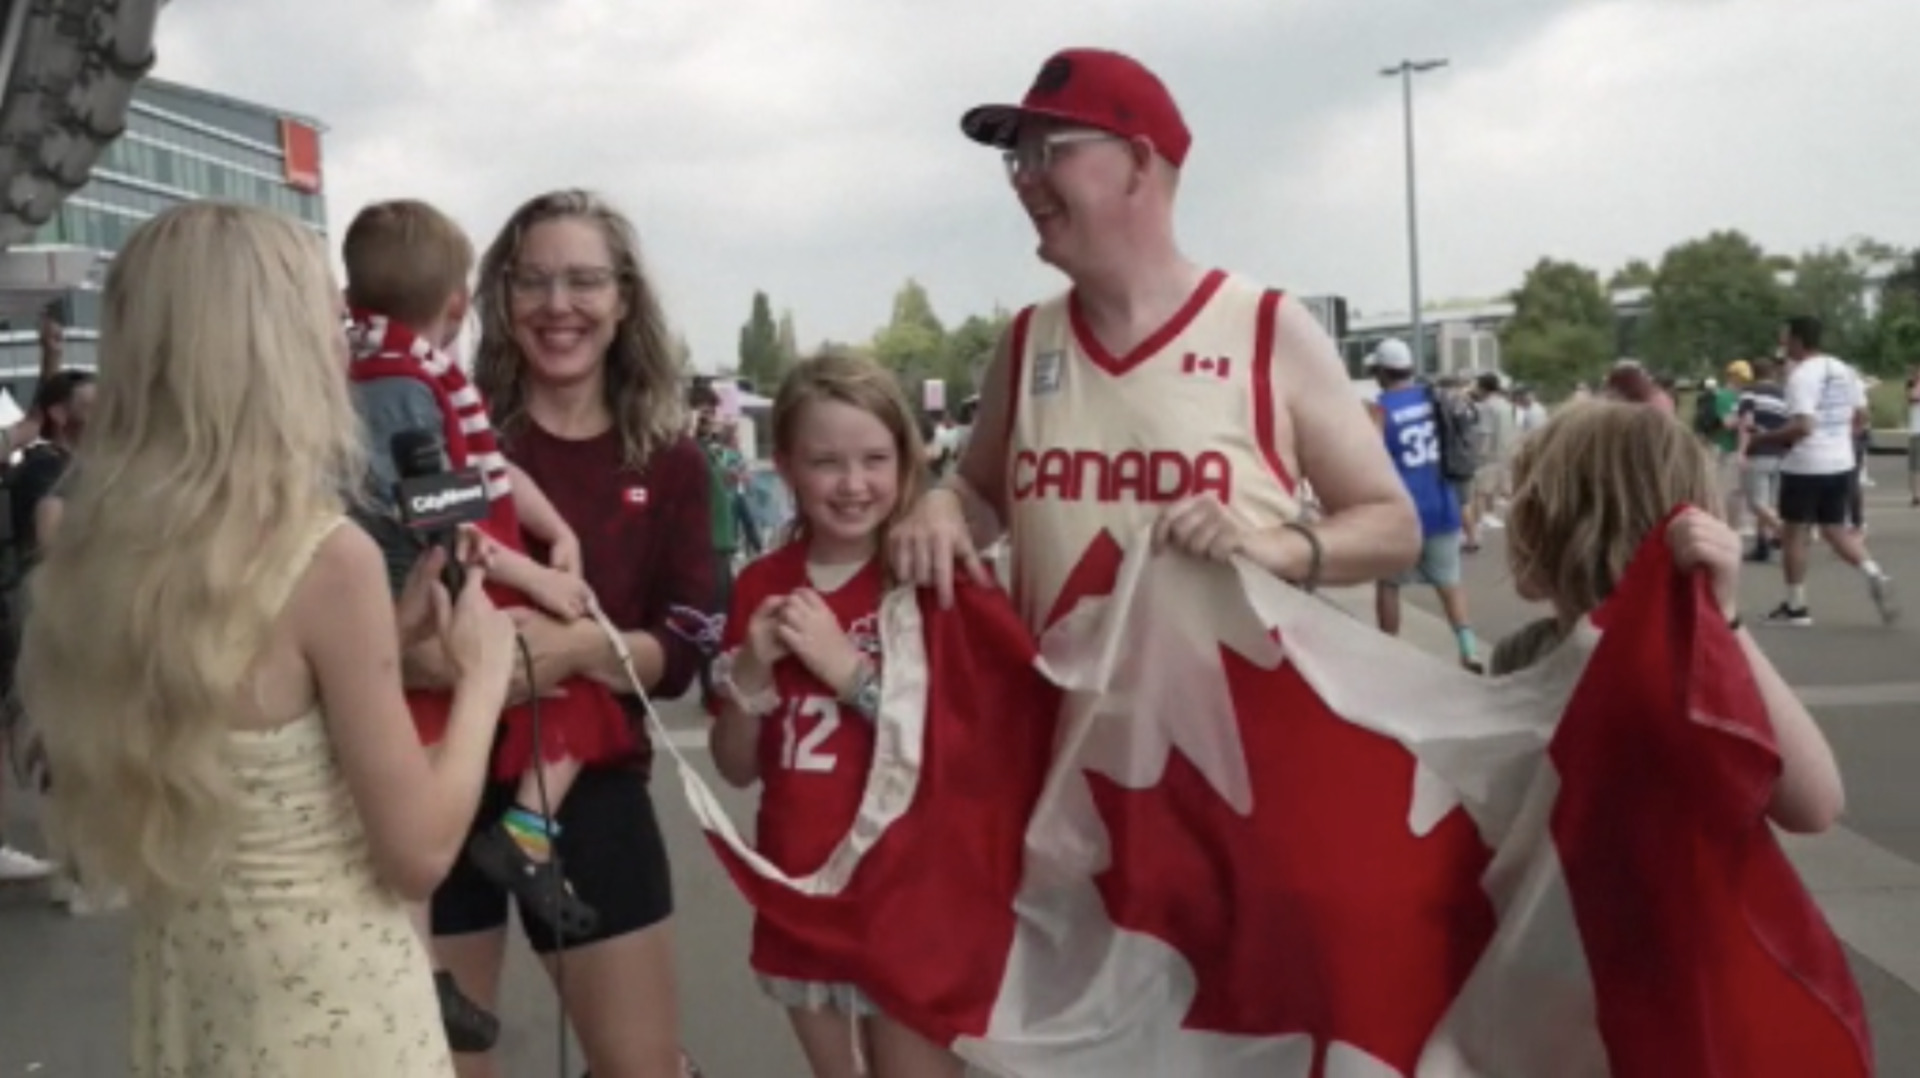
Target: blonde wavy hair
x,y
862,383
221,437
1589,487
643,375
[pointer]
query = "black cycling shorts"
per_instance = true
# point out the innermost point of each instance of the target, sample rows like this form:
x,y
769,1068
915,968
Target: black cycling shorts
x,y
610,850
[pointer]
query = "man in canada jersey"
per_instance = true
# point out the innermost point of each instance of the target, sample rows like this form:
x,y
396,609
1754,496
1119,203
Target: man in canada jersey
x,y
1155,393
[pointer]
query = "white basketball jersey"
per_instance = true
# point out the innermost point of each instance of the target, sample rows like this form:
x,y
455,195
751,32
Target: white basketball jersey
x,y
1100,444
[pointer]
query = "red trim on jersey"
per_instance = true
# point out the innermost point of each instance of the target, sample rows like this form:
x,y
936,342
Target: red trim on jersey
x,y
1016,377
1263,414
1159,339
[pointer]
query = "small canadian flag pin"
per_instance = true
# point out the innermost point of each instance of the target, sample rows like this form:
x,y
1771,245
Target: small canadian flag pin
x,y
1218,366
636,496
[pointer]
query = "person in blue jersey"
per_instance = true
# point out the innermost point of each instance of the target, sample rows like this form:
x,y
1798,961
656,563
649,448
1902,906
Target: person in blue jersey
x,y
1410,421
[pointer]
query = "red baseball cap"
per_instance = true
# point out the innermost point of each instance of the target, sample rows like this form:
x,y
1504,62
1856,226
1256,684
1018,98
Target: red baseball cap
x,y
1090,88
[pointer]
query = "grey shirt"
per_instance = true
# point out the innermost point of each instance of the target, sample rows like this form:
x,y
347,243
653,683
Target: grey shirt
x,y
387,406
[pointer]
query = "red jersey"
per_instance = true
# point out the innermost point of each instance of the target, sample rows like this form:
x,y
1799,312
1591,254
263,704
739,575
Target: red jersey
x,y
815,752
633,523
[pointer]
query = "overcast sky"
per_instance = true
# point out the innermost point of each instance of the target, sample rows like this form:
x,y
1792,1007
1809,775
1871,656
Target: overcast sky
x,y
811,147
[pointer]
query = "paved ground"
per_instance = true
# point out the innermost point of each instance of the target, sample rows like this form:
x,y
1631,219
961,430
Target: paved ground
x,y
61,980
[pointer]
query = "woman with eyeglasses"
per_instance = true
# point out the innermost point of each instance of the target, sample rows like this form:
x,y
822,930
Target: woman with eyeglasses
x,y
576,362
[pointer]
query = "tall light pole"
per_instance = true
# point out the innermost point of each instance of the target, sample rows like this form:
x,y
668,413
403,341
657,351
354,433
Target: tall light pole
x,y
1405,71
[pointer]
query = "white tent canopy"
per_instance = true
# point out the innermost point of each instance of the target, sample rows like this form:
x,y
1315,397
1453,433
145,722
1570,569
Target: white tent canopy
x,y
10,412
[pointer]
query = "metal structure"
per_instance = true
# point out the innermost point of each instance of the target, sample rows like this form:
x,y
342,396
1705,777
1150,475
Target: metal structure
x,y
68,69
1405,71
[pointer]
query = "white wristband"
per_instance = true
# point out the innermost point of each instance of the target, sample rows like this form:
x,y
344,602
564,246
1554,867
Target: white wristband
x,y
756,704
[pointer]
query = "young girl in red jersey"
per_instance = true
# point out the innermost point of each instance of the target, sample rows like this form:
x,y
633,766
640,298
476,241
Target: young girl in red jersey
x,y
799,680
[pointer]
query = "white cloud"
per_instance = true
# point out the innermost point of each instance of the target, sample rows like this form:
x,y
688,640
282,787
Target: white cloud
x,y
1626,127
811,148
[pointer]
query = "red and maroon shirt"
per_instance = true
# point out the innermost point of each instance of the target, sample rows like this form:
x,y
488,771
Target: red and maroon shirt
x,y
643,538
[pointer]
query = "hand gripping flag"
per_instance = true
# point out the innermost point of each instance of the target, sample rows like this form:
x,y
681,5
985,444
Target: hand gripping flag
x,y
916,903
1271,841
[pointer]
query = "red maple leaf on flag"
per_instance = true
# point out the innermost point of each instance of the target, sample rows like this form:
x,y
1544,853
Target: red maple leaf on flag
x,y
1318,913
1092,577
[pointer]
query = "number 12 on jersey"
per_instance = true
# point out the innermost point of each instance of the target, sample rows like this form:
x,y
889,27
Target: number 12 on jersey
x,y
802,752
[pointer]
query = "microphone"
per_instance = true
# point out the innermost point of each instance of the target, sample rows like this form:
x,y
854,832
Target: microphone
x,y
435,500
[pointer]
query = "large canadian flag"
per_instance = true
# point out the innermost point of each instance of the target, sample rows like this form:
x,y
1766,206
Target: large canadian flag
x,y
1217,827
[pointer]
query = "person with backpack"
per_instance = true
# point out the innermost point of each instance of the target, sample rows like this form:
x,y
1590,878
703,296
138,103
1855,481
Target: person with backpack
x,y
1413,420
1459,453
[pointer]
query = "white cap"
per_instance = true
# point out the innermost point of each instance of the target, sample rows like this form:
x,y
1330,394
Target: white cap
x,y
1391,354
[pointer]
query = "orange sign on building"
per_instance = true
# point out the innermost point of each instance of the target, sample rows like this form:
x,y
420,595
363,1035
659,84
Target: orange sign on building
x,y
300,145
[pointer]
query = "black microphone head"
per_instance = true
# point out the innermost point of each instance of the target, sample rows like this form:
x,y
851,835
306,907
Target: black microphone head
x,y
416,453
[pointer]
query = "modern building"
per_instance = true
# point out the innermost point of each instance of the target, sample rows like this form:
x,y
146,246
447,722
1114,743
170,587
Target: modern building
x,y
179,144
1464,338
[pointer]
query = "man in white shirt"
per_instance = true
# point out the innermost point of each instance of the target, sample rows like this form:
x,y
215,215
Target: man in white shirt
x,y
1826,405
1528,412
1499,432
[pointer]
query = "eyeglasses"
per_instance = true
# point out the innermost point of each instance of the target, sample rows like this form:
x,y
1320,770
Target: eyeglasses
x,y
574,281
1036,157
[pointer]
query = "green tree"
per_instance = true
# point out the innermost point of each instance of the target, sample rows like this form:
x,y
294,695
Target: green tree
x,y
1904,280
1635,274
1714,299
1891,347
788,342
1869,251
1562,329
1899,330
970,348
913,343
1555,293
760,360
1831,284
1553,358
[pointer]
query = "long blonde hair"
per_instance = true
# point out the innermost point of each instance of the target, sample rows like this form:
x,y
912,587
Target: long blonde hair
x,y
221,436
1589,487
643,375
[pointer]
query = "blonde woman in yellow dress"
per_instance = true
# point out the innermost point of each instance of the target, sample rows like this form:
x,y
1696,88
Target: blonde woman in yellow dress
x,y
231,744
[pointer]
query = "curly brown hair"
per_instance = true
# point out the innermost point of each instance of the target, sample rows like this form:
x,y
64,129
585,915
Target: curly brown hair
x,y
643,374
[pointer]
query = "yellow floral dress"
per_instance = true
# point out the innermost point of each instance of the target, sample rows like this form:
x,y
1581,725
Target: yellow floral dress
x,y
300,963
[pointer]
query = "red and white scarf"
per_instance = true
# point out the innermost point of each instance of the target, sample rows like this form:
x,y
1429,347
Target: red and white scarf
x,y
382,347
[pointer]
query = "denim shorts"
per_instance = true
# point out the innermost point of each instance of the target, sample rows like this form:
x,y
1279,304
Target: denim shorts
x,y
1439,563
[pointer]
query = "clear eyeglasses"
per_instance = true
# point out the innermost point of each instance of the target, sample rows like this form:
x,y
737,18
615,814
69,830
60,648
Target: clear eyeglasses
x,y
573,281
1034,158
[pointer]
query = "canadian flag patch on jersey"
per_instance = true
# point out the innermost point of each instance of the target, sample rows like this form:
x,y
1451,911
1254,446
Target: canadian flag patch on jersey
x,y
1218,366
